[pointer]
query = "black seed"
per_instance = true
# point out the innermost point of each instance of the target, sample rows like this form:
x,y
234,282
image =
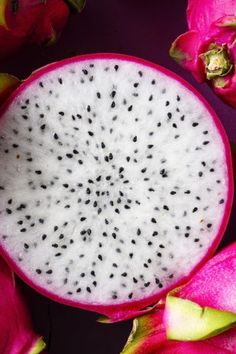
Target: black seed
x,y
200,174
26,246
113,104
100,257
85,71
113,93
98,95
153,220
43,127
165,207
147,284
195,124
9,211
54,245
88,289
187,192
135,139
78,290
159,254
38,271
169,115
221,201
194,209
186,234
49,271
124,274
205,142
196,240
163,173
130,108
155,233
38,172
23,230
209,225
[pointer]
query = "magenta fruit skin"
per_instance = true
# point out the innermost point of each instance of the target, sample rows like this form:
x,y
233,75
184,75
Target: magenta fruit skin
x,y
128,310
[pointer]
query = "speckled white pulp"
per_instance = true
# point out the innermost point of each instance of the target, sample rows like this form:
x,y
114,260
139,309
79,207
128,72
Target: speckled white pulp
x,y
113,181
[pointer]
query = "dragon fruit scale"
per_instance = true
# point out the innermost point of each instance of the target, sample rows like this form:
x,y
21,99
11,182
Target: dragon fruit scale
x,y
115,182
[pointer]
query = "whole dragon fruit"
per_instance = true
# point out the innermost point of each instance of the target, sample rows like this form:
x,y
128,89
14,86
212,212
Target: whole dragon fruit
x,y
208,49
115,182
199,317
32,21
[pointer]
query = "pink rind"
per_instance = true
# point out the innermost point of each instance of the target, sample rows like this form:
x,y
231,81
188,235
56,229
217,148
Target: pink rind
x,y
128,310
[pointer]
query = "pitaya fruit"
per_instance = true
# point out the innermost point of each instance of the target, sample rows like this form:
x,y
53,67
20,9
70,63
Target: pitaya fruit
x,y
208,49
17,336
115,185
195,315
32,21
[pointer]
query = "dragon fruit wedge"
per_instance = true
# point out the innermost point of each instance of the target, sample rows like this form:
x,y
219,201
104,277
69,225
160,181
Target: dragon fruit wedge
x,y
115,185
17,336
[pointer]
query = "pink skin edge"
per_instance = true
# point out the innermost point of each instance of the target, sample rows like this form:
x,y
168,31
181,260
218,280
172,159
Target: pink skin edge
x,y
127,310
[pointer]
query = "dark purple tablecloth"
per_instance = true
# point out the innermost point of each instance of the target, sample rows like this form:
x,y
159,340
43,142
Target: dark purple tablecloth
x,y
144,28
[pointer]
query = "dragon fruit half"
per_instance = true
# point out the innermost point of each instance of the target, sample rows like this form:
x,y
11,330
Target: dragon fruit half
x,y
17,336
202,309
115,185
208,49
32,21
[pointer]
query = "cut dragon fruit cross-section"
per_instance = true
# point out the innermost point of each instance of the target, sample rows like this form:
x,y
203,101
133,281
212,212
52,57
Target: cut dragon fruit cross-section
x,y
115,182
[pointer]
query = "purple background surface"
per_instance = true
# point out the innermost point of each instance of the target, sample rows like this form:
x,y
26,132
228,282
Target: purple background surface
x,y
136,27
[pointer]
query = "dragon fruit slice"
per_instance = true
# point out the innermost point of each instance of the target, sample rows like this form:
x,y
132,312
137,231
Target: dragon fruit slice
x,y
115,184
17,335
